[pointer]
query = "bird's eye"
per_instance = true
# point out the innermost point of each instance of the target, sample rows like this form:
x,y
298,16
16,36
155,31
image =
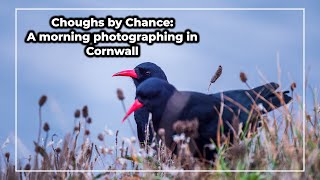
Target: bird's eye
x,y
148,73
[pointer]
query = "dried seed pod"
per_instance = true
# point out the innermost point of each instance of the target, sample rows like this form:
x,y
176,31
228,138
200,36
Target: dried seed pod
x,y
293,86
243,77
46,127
120,94
192,128
42,100
37,149
308,117
87,132
58,150
101,137
77,113
89,120
104,151
85,111
189,128
76,128
88,152
216,76
179,127
161,132
7,155
27,167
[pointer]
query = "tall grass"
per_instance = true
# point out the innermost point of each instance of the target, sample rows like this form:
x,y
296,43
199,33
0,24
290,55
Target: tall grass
x,y
266,144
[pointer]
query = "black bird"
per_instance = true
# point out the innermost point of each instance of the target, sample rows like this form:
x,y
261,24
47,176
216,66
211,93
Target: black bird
x,y
168,105
264,95
140,73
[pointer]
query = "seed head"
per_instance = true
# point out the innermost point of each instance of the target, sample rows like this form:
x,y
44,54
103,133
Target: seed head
x,y
243,77
216,75
42,100
46,127
77,113
85,111
189,128
161,132
308,117
101,137
177,138
104,151
76,128
58,150
293,86
7,155
37,149
88,152
192,128
87,132
120,94
89,120
179,127
27,167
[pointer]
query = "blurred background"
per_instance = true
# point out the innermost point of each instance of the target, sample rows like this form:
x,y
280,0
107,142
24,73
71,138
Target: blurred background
x,y
248,41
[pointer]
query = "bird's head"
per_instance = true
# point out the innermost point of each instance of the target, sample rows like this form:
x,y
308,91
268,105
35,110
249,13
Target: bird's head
x,y
153,94
142,72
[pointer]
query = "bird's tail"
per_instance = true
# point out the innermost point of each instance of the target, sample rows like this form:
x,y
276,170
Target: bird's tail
x,y
269,97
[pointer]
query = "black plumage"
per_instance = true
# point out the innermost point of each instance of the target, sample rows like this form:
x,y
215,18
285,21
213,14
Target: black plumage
x,y
264,95
168,105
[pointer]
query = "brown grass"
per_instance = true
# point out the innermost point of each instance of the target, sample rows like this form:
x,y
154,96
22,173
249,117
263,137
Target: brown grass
x,y
256,147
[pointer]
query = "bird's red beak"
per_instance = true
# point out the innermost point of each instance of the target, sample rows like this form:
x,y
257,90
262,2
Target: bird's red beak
x,y
130,73
135,106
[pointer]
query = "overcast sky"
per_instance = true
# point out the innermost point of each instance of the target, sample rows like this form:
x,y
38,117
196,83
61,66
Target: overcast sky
x,y
238,40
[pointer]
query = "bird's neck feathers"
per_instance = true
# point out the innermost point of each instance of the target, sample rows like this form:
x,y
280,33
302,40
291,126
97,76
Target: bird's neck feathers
x,y
159,110
136,82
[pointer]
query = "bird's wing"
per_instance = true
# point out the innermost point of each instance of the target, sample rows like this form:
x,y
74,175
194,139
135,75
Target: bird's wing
x,y
266,89
260,94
